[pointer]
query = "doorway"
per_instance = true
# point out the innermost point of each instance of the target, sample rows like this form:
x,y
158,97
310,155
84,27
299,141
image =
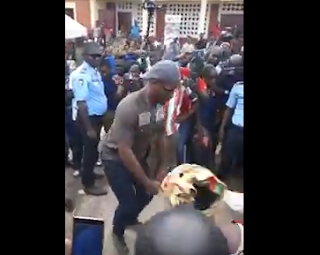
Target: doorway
x,y
124,22
69,12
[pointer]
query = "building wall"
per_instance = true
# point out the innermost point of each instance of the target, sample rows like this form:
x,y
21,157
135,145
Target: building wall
x,y
81,11
226,12
188,10
230,14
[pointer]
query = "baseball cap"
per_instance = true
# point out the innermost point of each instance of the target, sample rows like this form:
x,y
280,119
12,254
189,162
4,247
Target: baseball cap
x,y
166,71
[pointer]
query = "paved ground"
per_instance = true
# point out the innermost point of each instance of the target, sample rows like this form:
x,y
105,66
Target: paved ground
x,y
103,207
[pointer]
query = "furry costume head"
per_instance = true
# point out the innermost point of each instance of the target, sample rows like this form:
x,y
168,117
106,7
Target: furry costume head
x,y
190,183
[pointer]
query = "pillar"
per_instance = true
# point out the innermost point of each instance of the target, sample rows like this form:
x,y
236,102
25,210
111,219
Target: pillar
x,y
144,21
93,12
202,16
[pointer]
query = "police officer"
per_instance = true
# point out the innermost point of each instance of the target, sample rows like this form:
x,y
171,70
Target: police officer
x,y
232,146
90,106
138,117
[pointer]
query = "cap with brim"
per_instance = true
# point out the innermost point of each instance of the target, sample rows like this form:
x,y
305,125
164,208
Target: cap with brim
x,y
92,48
166,71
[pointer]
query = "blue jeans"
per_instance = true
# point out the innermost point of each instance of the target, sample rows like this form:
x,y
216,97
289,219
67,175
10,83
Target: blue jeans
x,y
131,195
185,134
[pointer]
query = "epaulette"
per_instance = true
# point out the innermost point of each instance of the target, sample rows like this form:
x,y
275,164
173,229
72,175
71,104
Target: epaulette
x,y
83,70
238,83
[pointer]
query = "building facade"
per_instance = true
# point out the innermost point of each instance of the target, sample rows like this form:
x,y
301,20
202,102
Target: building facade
x,y
197,16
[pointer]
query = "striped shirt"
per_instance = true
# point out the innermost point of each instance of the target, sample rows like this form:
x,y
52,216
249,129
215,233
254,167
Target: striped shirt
x,y
172,110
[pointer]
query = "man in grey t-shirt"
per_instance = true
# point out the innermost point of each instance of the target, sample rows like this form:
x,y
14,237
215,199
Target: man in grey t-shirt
x,y
125,148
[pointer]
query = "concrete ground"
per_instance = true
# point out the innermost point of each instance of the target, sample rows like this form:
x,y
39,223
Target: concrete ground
x,y
103,207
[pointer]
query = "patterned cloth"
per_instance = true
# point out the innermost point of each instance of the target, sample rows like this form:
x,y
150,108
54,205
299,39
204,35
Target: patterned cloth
x,y
178,185
172,110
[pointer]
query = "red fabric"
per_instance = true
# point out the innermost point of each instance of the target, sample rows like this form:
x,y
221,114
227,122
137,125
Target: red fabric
x,y
184,72
202,86
186,102
239,222
215,30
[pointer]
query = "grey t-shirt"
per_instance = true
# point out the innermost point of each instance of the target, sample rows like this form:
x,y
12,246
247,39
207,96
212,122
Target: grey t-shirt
x,y
136,122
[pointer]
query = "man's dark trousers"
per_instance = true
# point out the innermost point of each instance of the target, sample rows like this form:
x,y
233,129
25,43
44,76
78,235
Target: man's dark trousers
x,y
132,196
231,151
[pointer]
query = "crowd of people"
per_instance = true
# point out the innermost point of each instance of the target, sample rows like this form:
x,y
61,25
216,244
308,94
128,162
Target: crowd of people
x,y
160,106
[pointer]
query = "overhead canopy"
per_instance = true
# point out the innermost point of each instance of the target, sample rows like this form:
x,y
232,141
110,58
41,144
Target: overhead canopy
x,y
73,29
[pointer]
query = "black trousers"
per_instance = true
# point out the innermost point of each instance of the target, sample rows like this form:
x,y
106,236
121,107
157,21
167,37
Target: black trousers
x,y
90,149
73,140
232,152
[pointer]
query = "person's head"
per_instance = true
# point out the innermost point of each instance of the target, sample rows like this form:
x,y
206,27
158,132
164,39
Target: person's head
x,y
92,54
108,51
163,78
209,74
188,55
201,36
104,67
236,60
189,39
181,231
135,71
215,55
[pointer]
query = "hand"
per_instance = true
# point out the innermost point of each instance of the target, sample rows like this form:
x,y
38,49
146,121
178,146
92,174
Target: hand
x,y
92,134
181,118
205,141
152,187
161,174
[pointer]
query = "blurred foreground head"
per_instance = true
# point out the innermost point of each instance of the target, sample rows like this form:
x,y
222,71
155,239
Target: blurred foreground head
x,y
181,231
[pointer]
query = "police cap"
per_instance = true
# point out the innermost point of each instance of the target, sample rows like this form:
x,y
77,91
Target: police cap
x,y
92,48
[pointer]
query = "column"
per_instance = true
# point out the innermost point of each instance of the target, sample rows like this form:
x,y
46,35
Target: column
x,y
144,21
93,12
202,16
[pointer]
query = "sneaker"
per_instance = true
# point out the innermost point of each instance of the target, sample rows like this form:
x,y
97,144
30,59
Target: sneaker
x,y
98,173
96,190
120,244
99,162
76,173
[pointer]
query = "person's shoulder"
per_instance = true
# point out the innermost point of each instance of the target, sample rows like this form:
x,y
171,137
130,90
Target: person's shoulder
x,y
239,83
130,101
127,109
238,87
81,70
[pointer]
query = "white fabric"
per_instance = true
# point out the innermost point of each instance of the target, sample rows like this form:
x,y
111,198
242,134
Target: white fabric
x,y
241,246
73,29
234,200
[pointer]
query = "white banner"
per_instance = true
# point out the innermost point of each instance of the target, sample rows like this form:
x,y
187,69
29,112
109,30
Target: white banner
x,y
171,28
